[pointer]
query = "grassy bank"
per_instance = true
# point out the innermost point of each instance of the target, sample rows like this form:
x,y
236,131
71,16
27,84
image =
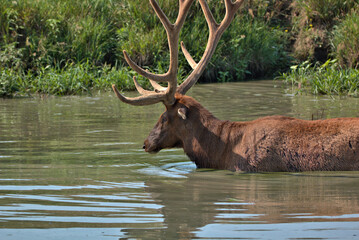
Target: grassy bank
x,y
66,47
68,80
333,32
328,78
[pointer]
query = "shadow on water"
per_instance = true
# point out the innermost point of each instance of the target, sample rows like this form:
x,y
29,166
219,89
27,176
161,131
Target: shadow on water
x,y
73,168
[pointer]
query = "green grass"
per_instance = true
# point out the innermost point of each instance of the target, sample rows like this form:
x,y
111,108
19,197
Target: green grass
x,y
69,80
328,78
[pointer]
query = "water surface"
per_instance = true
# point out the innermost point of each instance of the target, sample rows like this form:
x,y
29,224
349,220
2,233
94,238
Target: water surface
x,y
74,168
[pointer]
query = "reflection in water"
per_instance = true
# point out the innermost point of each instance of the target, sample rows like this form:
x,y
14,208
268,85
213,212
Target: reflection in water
x,y
227,205
73,167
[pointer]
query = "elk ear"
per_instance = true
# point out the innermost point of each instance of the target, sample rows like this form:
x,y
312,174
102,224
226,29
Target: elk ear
x,y
182,112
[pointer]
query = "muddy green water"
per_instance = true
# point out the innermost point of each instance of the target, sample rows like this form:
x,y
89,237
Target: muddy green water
x,y
74,168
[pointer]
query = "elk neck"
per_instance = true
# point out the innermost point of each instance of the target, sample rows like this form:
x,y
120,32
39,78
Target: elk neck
x,y
206,138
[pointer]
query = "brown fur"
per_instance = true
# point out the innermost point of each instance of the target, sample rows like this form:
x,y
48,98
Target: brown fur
x,y
274,143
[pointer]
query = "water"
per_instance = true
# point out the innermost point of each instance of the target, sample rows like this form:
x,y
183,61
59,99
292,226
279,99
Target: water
x,y
74,168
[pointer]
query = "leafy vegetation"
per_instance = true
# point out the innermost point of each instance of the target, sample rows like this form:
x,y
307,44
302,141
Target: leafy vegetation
x,y
345,39
324,29
328,78
70,79
70,47
66,47
312,24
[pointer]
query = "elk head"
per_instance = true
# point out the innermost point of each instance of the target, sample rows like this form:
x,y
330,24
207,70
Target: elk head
x,y
171,125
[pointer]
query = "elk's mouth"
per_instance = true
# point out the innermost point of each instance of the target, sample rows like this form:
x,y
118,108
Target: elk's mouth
x,y
150,149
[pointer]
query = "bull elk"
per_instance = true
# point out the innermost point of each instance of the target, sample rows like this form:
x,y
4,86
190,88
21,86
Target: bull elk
x,y
274,143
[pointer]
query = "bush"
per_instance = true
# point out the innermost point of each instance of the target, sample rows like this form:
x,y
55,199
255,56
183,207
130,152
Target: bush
x,y
8,82
55,32
312,23
345,39
250,49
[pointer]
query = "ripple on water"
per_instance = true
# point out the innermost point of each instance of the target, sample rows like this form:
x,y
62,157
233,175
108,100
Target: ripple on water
x,y
170,170
60,188
63,233
120,207
305,230
75,172
114,143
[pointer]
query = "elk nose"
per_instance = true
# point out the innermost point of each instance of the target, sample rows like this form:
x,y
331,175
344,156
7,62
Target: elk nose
x,y
144,146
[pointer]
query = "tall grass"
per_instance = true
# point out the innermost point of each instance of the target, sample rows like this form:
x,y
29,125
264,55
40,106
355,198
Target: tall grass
x,y
312,23
345,40
325,11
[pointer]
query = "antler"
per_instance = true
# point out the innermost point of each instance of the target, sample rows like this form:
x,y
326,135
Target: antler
x,y
215,32
166,95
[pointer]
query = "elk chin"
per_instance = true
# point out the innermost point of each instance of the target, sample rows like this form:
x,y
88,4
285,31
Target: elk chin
x,y
152,151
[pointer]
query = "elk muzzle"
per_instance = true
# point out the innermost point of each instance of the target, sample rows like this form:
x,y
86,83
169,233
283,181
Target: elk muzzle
x,y
150,148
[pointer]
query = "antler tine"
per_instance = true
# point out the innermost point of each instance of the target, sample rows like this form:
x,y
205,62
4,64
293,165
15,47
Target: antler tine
x,y
143,100
188,56
231,9
157,87
147,98
143,72
212,24
161,15
215,32
139,88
